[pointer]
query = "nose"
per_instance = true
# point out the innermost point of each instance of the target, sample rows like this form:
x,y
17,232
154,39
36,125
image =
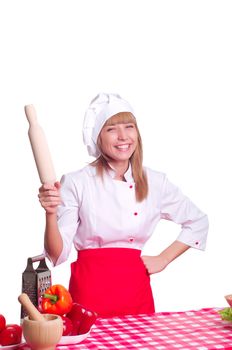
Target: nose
x,y
122,135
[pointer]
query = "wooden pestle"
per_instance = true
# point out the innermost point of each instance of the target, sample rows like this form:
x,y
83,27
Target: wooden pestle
x,y
33,313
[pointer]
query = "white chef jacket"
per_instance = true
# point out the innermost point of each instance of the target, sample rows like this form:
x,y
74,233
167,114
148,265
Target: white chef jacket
x,y
102,213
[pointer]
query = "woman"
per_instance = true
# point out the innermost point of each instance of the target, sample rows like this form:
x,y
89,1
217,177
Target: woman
x,y
109,209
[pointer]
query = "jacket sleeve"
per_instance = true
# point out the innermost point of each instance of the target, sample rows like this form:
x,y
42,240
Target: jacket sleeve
x,y
175,206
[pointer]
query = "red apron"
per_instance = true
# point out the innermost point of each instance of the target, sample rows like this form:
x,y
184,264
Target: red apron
x,y
111,282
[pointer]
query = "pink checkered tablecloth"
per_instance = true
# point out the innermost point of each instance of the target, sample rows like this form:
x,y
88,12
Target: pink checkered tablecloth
x,y
200,330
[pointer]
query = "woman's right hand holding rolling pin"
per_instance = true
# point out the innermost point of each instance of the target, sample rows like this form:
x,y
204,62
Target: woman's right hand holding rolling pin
x,y
49,197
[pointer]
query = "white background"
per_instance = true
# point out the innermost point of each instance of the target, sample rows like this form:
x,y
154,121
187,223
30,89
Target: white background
x,y
172,61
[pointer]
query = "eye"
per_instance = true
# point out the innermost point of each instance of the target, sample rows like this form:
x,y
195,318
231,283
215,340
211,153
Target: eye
x,y
110,129
130,126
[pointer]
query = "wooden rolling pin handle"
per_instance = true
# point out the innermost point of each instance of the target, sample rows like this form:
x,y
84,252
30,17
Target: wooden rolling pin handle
x,y
30,114
33,313
40,147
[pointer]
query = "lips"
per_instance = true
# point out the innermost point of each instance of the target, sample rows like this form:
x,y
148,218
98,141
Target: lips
x,y
123,147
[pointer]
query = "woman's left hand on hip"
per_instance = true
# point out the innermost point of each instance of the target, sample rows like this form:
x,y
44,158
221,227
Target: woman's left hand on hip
x,y
154,264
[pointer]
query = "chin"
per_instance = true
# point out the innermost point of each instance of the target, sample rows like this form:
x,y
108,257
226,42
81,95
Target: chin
x,y
123,157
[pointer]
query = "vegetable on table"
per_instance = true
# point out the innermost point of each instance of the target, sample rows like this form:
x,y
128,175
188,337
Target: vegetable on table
x,y
82,319
56,300
88,320
226,313
67,326
11,334
75,315
2,322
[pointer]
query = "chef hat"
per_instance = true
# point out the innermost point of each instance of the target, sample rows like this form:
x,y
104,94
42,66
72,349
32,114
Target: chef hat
x,y
101,108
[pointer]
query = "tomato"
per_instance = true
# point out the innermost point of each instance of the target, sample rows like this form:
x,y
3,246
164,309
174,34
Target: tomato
x,y
11,334
67,326
2,322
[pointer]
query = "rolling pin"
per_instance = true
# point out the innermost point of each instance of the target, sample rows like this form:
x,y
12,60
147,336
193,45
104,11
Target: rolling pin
x,y
40,147
31,310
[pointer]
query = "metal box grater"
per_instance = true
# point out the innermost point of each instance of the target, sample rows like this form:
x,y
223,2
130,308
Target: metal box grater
x,y
35,281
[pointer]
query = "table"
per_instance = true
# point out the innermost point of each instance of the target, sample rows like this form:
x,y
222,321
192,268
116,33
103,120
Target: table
x,y
198,329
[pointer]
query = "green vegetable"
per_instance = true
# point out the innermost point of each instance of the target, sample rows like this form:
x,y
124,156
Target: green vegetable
x,y
226,314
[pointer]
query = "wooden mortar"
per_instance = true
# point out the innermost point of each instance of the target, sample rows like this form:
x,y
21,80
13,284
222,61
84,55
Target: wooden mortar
x,y
41,331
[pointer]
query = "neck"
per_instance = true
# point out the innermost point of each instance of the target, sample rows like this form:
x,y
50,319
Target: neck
x,y
120,168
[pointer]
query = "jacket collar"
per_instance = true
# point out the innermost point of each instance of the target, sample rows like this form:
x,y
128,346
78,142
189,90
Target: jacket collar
x,y
127,175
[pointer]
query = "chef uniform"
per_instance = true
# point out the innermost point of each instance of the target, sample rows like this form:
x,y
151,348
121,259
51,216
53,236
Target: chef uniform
x,y
109,228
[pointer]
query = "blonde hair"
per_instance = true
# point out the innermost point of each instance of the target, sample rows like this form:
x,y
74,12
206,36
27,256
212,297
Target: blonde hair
x,y
138,173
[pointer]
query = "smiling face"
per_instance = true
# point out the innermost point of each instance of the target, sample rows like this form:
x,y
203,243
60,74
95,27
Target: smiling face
x,y
119,138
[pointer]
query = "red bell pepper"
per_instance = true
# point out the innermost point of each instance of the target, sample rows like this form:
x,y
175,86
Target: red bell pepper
x,y
82,319
67,326
56,300
76,315
87,321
